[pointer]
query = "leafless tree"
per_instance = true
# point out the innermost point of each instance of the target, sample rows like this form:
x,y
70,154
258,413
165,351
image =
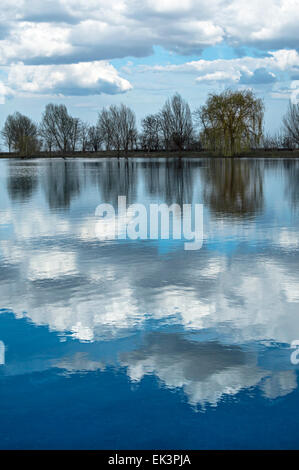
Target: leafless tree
x,y
47,139
84,135
75,133
106,127
151,128
291,122
117,126
95,137
7,132
125,131
271,141
59,127
176,123
278,140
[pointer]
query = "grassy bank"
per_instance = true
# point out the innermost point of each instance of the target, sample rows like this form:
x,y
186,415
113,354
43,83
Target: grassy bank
x,y
134,154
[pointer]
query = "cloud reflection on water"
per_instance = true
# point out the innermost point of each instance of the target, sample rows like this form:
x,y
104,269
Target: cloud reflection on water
x,y
242,286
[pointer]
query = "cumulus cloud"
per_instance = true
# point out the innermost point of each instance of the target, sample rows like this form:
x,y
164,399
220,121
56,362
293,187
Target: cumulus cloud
x,y
5,92
27,41
2,93
288,91
87,78
243,70
60,32
96,30
53,11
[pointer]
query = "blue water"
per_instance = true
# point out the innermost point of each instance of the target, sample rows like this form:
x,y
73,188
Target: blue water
x,y
117,344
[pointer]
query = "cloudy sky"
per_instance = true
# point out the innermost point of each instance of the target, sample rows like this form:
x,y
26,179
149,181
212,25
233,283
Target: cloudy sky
x,y
91,53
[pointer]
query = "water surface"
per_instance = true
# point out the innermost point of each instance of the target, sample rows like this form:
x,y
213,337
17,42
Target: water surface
x,y
139,343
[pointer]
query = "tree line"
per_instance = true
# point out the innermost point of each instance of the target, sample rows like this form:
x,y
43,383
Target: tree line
x,y
228,123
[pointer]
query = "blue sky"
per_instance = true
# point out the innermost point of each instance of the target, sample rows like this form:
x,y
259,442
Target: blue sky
x,y
92,53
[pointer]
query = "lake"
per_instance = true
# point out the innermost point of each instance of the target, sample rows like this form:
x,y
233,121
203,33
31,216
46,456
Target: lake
x,y
139,344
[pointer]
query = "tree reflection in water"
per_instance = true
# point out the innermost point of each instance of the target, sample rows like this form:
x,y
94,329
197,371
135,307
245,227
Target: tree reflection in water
x,y
22,181
233,187
62,182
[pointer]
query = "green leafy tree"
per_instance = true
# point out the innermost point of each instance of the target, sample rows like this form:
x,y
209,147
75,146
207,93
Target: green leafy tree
x,y
231,121
20,134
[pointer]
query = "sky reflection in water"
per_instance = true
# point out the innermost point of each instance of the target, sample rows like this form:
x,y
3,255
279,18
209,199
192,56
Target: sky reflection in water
x,y
140,344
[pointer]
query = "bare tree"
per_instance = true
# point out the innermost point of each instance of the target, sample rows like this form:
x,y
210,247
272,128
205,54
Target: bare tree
x,y
271,141
176,123
20,134
278,140
291,122
126,126
60,127
7,132
117,126
95,137
47,138
84,136
150,137
75,132
106,127
288,142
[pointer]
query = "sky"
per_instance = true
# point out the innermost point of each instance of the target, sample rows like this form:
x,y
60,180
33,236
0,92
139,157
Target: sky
x,y
92,53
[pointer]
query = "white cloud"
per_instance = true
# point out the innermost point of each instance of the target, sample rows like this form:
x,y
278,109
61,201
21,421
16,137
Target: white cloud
x,y
219,75
243,70
58,32
95,30
86,78
4,92
288,91
29,40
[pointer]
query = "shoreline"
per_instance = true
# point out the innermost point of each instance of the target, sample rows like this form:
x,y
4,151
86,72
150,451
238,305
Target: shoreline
x,y
152,155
